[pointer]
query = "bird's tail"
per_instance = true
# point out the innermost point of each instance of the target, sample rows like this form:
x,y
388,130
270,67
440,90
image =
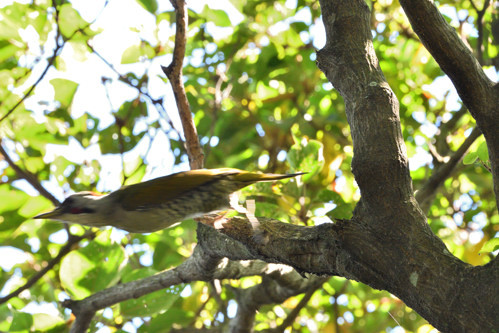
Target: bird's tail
x,y
252,177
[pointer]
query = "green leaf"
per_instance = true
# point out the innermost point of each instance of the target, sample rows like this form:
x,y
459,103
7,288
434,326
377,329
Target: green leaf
x,y
150,5
342,211
70,20
12,20
93,268
217,16
64,91
44,322
490,246
149,304
136,53
483,152
306,156
21,321
470,158
164,321
33,206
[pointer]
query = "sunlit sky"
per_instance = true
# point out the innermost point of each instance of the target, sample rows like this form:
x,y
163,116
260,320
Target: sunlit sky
x,y
118,21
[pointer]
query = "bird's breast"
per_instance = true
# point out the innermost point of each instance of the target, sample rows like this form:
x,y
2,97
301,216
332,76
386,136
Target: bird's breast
x,y
194,203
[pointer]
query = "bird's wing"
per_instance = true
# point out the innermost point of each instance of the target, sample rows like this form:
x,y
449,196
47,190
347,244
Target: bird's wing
x,y
158,191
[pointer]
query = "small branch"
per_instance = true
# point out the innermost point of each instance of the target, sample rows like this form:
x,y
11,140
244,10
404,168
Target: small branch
x,y
51,60
427,192
275,288
441,145
205,264
453,56
64,250
479,26
174,74
158,103
476,90
28,176
82,322
198,267
289,320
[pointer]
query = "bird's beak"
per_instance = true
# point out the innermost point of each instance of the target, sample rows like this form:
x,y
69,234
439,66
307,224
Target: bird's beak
x,y
50,215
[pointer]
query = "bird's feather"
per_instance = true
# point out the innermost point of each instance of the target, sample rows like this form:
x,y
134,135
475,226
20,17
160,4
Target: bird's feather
x,y
159,191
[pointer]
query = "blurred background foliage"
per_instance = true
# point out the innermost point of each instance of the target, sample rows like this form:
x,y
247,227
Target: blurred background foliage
x,y
84,106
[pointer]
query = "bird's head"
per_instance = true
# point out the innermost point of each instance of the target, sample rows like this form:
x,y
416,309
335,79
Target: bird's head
x,y
80,208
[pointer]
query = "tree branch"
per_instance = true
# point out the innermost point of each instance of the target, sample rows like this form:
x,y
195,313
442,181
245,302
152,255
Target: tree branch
x,y
479,24
380,161
477,91
158,103
289,320
50,62
452,55
274,289
174,74
64,250
28,176
355,250
205,264
388,243
427,192
198,267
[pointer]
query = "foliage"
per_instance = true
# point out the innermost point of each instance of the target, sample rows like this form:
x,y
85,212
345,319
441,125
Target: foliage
x,y
259,103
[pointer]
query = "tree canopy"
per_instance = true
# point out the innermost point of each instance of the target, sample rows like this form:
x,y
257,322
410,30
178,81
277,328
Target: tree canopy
x,y
393,228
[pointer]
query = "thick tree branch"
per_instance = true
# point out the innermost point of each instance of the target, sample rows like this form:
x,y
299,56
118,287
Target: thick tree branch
x,y
328,249
388,244
174,74
350,64
357,251
477,92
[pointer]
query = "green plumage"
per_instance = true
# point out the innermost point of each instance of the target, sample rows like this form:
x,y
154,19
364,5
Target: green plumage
x,y
156,192
160,202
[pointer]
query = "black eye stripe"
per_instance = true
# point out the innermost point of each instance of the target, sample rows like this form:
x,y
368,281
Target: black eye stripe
x,y
67,202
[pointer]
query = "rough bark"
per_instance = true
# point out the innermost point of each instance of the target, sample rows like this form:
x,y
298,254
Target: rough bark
x,y
388,242
476,90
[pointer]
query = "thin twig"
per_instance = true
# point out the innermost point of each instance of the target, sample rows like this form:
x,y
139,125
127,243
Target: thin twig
x,y
289,320
479,21
427,191
51,60
64,250
174,74
28,176
158,103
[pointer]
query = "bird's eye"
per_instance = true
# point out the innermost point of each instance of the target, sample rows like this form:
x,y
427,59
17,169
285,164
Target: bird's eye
x,y
77,210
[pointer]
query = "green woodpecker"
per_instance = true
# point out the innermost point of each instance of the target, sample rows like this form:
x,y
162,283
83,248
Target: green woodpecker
x,y
158,203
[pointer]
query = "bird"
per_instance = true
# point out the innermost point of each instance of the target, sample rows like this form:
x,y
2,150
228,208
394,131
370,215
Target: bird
x,y
161,202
